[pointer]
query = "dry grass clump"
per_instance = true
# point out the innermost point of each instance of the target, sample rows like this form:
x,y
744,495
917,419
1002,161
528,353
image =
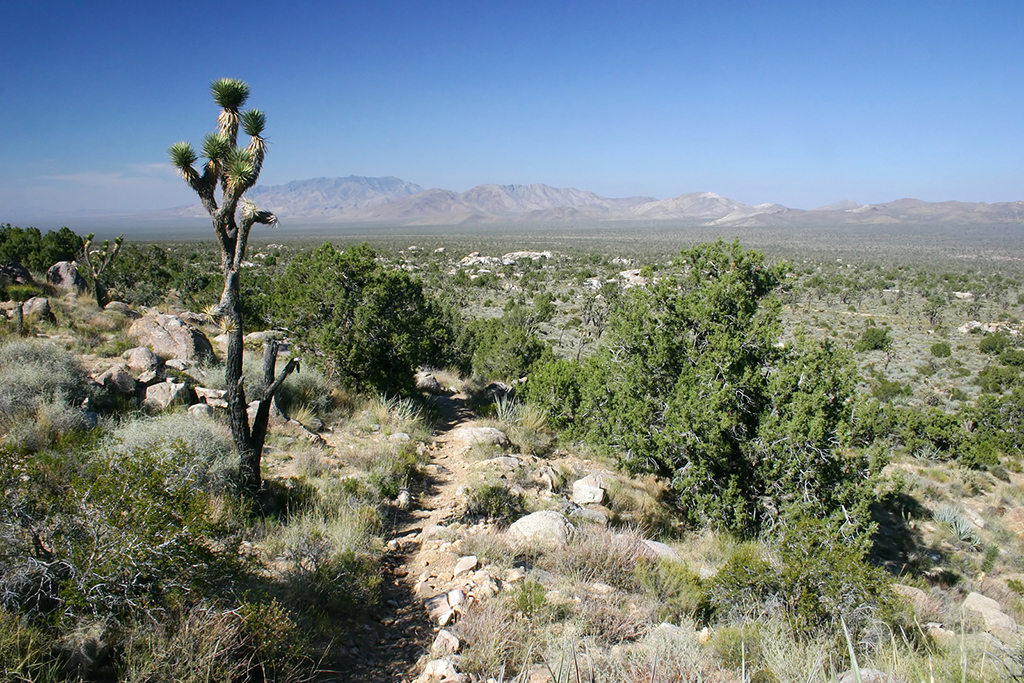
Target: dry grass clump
x,y
525,424
597,555
213,461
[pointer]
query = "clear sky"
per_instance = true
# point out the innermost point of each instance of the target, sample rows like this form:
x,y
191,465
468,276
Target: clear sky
x,y
801,103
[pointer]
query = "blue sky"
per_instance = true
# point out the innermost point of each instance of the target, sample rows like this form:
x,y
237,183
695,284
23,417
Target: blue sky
x,y
801,103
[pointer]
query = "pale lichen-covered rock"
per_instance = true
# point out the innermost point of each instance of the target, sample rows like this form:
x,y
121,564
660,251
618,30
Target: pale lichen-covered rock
x,y
479,435
64,275
446,643
38,307
200,410
465,564
140,359
991,612
589,490
660,551
545,528
170,337
165,394
426,381
122,308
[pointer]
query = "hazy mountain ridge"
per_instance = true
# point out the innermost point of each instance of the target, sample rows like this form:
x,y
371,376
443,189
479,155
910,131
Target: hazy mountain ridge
x,y
392,200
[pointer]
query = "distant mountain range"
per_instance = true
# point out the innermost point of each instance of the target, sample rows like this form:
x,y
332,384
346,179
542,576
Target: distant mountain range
x,y
357,199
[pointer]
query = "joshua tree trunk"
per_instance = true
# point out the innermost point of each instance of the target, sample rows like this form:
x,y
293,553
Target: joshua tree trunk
x,y
234,170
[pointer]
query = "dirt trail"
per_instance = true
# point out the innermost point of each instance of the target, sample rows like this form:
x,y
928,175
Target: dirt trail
x,y
389,645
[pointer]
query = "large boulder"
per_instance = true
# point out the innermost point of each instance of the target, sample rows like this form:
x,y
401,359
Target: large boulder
x,y
122,308
991,612
16,274
166,394
479,435
116,379
545,528
39,308
425,381
140,359
589,490
170,337
64,275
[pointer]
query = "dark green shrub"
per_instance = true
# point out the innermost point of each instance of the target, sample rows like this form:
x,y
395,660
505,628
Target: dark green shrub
x,y
818,577
691,383
873,339
503,350
995,379
362,324
676,588
886,390
941,350
1014,357
995,343
36,251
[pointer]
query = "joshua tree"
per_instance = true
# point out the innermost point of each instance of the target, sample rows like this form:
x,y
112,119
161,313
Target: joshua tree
x,y
104,257
234,170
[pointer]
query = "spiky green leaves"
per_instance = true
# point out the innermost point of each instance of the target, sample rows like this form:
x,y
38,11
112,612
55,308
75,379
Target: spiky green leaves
x,y
238,168
230,93
182,155
253,122
216,146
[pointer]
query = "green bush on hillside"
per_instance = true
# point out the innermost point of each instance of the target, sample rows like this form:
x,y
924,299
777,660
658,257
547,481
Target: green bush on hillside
x,y
364,325
690,383
873,339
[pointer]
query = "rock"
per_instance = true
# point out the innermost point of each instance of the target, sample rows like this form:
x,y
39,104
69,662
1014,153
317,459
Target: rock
x,y
503,463
498,390
205,394
439,609
200,410
589,489
545,528
276,418
425,381
1014,520
441,671
588,515
404,499
481,435
990,611
170,337
515,574
116,378
659,551
399,437
178,364
165,394
939,634
140,359
445,644
465,564
456,597
64,275
122,308
150,377
16,274
263,336
38,306
915,596
869,676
